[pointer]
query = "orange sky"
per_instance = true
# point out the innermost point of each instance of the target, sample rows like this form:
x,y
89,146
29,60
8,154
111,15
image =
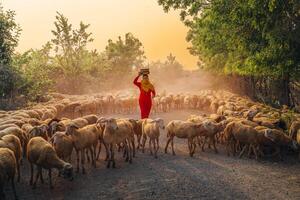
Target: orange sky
x,y
161,33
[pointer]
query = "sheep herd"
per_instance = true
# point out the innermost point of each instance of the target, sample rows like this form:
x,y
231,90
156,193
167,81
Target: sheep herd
x,y
47,134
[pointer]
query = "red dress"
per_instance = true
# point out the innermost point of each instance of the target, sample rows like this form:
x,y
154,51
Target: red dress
x,y
145,99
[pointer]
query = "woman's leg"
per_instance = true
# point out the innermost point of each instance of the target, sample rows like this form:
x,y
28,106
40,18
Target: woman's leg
x,y
145,108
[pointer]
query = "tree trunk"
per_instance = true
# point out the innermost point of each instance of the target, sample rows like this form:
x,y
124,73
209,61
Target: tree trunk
x,y
285,90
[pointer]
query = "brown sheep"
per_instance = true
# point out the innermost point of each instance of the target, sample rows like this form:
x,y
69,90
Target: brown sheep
x,y
138,132
13,143
39,131
8,166
80,122
5,126
298,140
43,155
280,139
237,133
63,145
211,129
85,138
295,126
150,129
19,123
183,129
17,132
92,119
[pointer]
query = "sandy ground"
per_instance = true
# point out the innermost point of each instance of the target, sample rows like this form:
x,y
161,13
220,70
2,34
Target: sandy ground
x,y
206,176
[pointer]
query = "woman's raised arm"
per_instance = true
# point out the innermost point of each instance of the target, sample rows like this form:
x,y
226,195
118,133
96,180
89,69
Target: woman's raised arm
x,y
135,81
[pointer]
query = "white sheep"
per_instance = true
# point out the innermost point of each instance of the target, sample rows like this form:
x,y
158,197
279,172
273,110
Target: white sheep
x,y
150,129
117,132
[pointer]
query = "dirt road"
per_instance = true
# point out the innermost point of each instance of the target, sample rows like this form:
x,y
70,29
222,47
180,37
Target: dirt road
x,y
206,176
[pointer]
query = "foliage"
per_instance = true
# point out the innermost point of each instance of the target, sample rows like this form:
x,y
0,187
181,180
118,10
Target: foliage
x,y
249,37
70,49
37,71
123,54
9,34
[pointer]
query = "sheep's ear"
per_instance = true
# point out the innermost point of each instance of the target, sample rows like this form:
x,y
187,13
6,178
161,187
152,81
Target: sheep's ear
x,y
32,131
74,126
132,120
101,120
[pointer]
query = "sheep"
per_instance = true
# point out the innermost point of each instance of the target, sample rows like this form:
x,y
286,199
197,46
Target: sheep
x,y
19,123
79,122
5,126
33,121
86,107
92,119
32,114
280,139
43,155
138,132
126,137
84,138
101,140
236,132
68,110
63,145
150,128
53,126
27,128
298,141
13,143
295,126
131,137
183,129
211,129
17,132
8,166
116,132
39,131
49,113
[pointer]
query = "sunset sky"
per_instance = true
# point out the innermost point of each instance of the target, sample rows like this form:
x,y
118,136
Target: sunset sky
x,y
161,33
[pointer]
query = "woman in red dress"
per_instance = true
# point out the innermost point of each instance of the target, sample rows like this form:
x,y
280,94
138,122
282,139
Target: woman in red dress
x,y
147,92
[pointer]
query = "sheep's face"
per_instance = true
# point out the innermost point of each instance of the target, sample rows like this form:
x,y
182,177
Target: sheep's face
x,y
44,128
112,123
160,123
70,129
67,172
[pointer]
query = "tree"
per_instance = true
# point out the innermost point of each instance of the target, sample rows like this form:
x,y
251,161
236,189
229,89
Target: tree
x,y
9,35
244,37
123,54
37,71
70,48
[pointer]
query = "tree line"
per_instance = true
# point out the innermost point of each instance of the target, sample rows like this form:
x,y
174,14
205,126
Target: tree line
x,y
256,43
65,64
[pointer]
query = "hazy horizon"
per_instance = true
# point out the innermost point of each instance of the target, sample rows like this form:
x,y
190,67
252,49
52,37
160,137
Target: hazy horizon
x,y
161,33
